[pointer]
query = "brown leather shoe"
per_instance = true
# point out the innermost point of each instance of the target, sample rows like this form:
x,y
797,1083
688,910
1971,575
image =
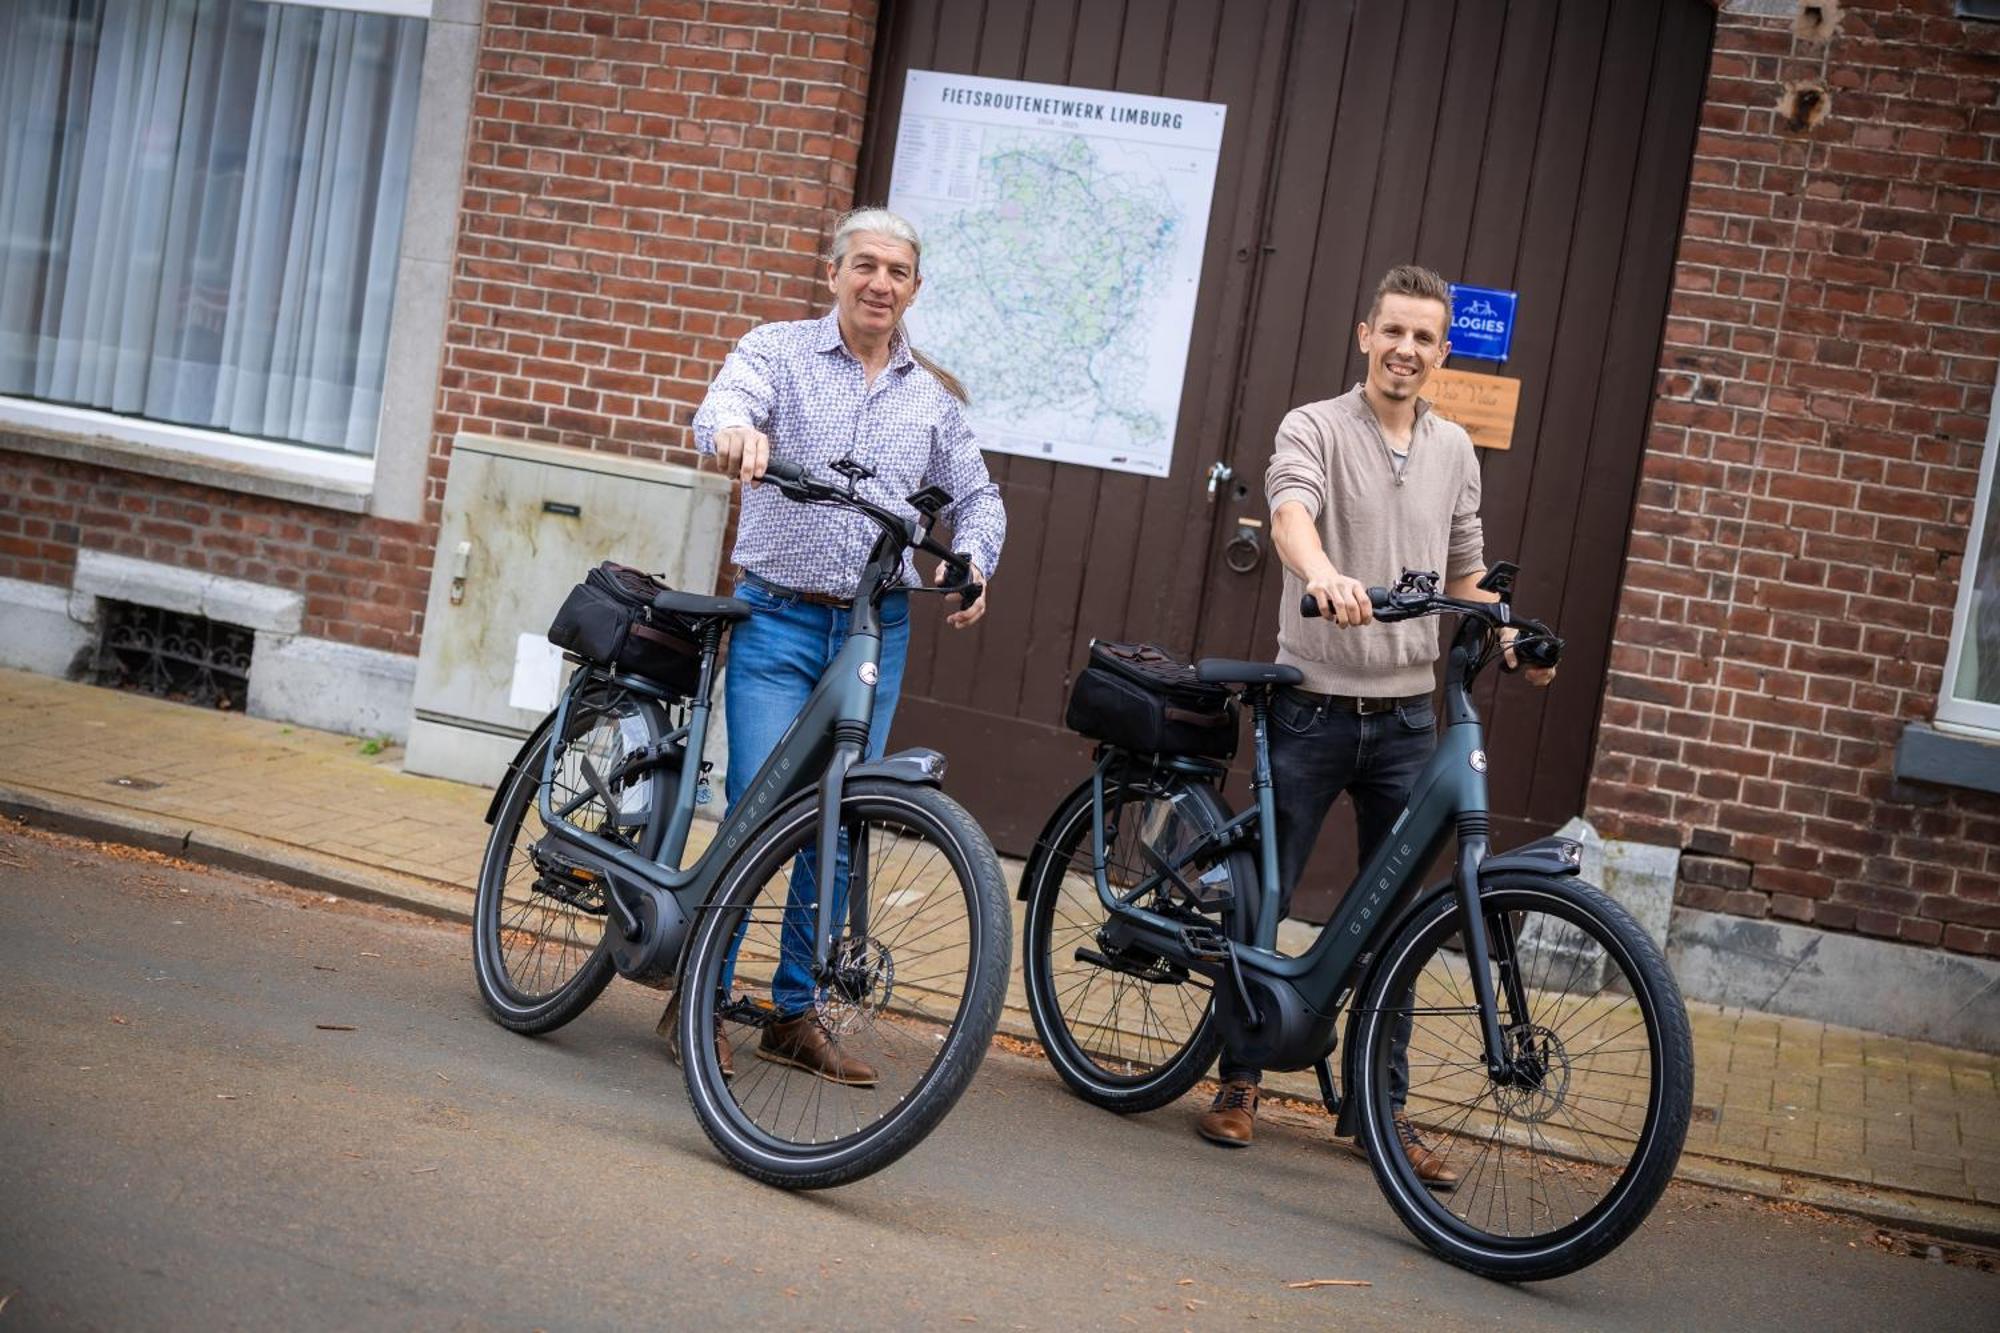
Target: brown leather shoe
x,y
669,1028
1428,1163
1231,1118
803,1044
1424,1160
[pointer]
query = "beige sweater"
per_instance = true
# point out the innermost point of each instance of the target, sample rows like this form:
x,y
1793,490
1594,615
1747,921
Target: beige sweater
x,y
1333,458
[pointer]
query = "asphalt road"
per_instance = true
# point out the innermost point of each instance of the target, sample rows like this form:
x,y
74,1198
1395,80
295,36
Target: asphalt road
x,y
183,1146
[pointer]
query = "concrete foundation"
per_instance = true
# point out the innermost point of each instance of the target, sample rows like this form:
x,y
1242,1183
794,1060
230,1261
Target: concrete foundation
x,y
312,682
331,686
40,630
1877,985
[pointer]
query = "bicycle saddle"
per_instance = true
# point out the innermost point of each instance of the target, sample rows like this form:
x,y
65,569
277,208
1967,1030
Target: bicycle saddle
x,y
1224,671
694,604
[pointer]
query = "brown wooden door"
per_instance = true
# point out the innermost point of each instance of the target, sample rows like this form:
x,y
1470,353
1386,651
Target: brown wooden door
x,y
1541,146
1089,553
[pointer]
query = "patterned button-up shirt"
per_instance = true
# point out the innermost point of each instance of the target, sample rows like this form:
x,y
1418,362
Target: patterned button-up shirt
x,y
799,384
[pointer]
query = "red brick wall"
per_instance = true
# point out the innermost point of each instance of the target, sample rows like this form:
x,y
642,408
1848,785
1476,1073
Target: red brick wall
x,y
364,580
645,180
1808,484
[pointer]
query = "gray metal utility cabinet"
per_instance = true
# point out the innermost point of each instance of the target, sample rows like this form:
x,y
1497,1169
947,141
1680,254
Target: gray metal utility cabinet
x,y
522,523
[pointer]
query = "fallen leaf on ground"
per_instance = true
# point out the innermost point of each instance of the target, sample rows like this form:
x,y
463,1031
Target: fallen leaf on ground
x,y
334,1027
366,954
322,967
1329,1282
225,1096
121,1020
440,1075
1185,1282
422,1169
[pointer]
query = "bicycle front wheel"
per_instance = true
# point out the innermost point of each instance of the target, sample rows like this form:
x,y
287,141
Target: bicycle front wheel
x,y
1560,1162
1127,1032
837,1077
538,920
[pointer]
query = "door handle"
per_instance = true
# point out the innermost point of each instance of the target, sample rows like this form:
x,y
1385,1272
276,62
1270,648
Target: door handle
x,y
1218,473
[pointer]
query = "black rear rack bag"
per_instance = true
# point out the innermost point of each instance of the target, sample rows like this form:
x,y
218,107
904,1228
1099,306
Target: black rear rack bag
x,y
609,619
1139,698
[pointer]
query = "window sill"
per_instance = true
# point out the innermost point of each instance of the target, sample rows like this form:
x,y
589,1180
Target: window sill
x,y
1939,758
180,453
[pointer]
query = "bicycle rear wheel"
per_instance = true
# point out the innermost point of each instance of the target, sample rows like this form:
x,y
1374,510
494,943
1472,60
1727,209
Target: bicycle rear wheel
x,y
910,1012
537,920
1127,1033
1561,1164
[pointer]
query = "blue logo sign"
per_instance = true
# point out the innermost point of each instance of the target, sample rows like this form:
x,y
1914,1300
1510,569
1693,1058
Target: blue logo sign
x,y
1482,322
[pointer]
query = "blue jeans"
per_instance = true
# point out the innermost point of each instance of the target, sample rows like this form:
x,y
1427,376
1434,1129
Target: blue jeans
x,y
1318,752
776,657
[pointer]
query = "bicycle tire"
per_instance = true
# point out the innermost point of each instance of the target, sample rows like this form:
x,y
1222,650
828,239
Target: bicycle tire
x,y
517,923
1087,1033
923,1016
1594,1133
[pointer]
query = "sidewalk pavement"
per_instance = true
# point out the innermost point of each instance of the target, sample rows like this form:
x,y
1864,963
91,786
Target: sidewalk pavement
x,y
1896,1130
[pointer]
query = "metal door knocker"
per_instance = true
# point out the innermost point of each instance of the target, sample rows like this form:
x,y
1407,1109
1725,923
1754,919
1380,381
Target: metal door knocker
x,y
1245,550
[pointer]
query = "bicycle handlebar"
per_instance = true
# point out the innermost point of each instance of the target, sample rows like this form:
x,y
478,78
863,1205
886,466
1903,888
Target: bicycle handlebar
x,y
795,483
1536,645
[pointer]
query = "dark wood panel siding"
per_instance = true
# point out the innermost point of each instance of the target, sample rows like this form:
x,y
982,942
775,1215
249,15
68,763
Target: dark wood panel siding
x,y
1541,145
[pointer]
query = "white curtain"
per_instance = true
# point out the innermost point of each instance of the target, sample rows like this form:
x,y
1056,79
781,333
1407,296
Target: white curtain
x,y
200,205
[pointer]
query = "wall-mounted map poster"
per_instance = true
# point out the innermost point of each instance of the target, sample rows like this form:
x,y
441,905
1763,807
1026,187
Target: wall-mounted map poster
x,y
1063,232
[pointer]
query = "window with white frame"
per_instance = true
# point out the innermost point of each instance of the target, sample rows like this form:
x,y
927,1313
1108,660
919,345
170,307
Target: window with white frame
x,y
200,208
1970,698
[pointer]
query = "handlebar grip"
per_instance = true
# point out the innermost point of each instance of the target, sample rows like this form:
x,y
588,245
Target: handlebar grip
x,y
782,471
969,594
1309,605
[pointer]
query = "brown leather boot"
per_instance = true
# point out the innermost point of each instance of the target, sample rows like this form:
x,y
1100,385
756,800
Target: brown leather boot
x,y
803,1044
1428,1163
669,1028
1231,1118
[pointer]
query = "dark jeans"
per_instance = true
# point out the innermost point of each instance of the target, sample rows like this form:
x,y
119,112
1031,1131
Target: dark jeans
x,y
1318,752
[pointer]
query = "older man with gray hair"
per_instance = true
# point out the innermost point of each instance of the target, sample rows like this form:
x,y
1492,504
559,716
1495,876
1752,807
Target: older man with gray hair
x,y
847,385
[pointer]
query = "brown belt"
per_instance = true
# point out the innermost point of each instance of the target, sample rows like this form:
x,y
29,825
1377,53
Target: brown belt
x,y
1351,703
796,595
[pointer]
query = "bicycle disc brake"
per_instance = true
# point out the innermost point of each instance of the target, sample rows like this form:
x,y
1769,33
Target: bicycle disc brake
x,y
863,978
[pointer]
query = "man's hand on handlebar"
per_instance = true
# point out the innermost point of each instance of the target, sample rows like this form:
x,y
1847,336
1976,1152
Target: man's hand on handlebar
x,y
744,451
1535,675
967,616
1342,600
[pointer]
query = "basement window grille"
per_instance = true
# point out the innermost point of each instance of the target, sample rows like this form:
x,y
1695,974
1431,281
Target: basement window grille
x,y
186,658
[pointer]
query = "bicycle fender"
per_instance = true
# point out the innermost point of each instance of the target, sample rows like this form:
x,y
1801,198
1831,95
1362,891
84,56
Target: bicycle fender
x,y
514,765
1046,838
1544,856
924,768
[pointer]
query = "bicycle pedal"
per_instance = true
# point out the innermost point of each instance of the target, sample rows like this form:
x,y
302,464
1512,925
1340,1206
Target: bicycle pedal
x,y
1157,970
748,1011
1205,943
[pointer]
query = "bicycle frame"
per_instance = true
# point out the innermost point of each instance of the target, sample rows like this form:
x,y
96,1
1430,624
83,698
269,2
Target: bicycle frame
x,y
653,901
1285,1008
